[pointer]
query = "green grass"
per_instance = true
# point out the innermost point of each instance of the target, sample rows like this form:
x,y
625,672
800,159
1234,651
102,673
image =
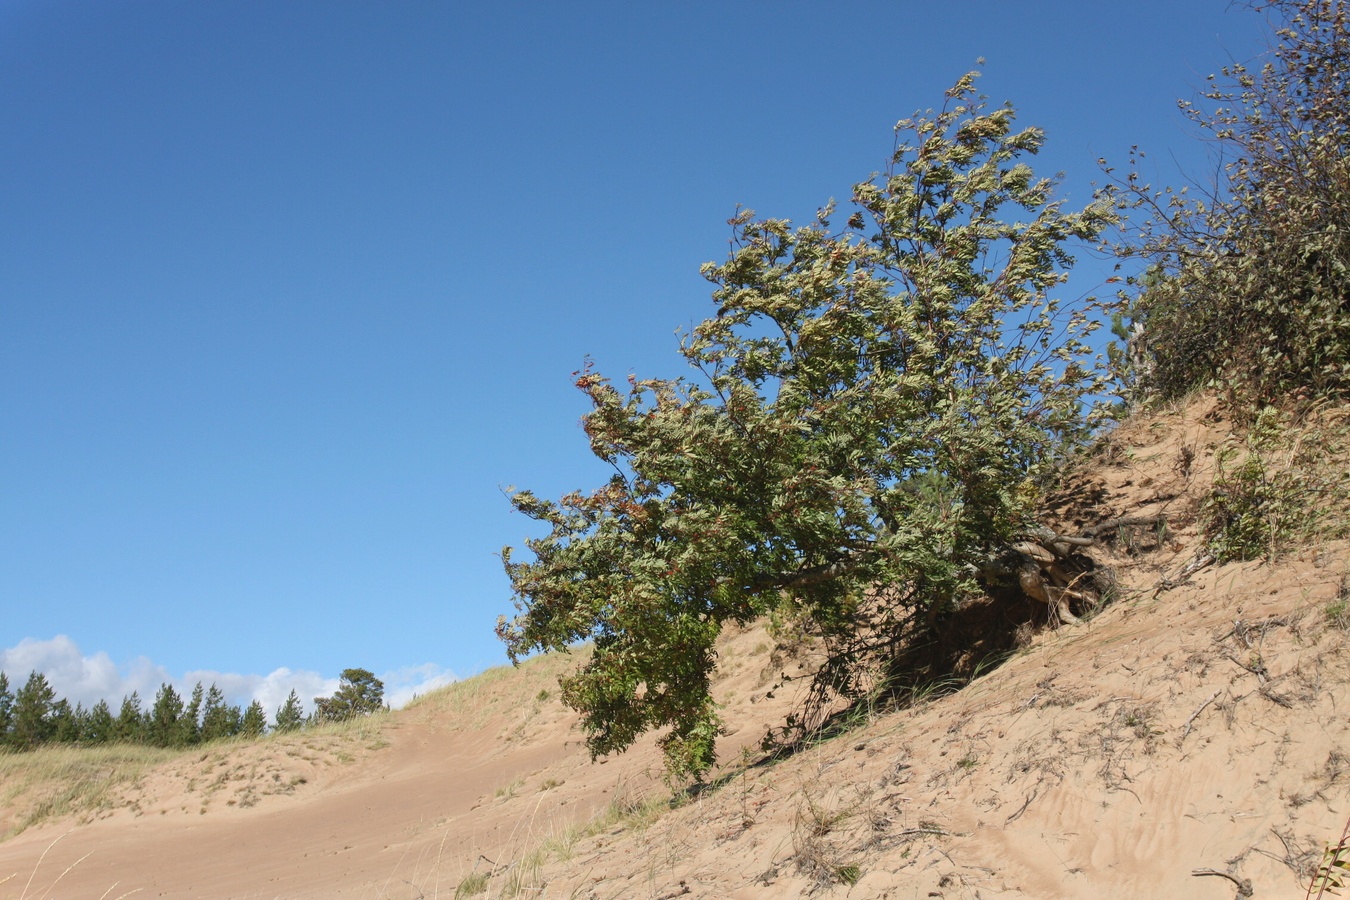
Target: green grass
x,y
472,885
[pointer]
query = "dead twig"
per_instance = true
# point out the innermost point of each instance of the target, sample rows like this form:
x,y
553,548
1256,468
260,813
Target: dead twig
x,y
1126,522
1021,809
1195,565
1244,885
1198,710
1279,699
916,832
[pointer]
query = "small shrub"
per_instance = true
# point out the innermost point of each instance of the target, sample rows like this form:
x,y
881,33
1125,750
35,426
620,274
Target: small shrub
x,y
1267,494
1247,283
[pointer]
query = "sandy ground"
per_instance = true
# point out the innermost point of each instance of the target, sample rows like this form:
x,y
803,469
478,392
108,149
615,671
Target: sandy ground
x,y
1190,740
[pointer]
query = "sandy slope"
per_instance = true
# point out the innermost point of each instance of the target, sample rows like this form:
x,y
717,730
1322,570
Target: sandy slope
x,y
1197,723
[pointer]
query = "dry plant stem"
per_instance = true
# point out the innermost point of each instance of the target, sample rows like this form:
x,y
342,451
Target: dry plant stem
x,y
120,896
33,874
1244,885
915,832
67,869
1021,809
1201,708
1202,561
1126,522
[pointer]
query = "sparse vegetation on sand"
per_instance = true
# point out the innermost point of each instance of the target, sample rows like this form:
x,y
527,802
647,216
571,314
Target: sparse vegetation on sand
x,y
70,782
81,784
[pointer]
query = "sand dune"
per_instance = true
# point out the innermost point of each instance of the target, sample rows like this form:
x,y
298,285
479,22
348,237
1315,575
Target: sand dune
x,y
1190,740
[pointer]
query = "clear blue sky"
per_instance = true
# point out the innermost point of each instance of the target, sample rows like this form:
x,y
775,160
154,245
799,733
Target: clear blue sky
x,y
290,290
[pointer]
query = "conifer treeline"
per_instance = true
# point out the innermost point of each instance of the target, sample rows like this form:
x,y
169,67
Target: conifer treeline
x,y
33,716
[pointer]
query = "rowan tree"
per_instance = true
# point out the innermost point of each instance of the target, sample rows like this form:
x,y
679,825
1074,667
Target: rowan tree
x,y
872,404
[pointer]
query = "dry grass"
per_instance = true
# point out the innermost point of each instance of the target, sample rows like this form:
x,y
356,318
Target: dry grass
x,y
525,874
78,782
30,890
86,783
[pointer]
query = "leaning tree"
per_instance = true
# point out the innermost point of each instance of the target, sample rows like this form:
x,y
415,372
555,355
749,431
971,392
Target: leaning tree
x,y
873,410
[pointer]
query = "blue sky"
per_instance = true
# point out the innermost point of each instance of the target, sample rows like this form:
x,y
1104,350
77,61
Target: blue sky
x,y
289,291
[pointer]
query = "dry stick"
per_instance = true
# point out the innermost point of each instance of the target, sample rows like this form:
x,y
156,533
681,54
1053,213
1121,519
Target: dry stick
x,y
915,832
1202,561
1199,709
1244,885
1022,808
1113,524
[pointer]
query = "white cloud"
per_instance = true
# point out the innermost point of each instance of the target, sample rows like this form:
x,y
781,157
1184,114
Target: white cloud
x,y
401,685
88,679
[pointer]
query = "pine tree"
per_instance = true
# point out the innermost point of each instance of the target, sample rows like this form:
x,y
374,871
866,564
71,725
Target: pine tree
x,y
100,729
33,713
130,726
6,709
360,693
66,726
254,722
189,723
165,729
234,721
291,715
215,716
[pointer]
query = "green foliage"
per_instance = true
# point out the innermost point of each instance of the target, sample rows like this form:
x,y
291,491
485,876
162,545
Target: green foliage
x,y
164,728
219,720
33,705
1250,283
66,723
6,707
1333,872
290,715
254,721
1267,493
359,693
875,403
100,727
131,720
473,884
189,723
